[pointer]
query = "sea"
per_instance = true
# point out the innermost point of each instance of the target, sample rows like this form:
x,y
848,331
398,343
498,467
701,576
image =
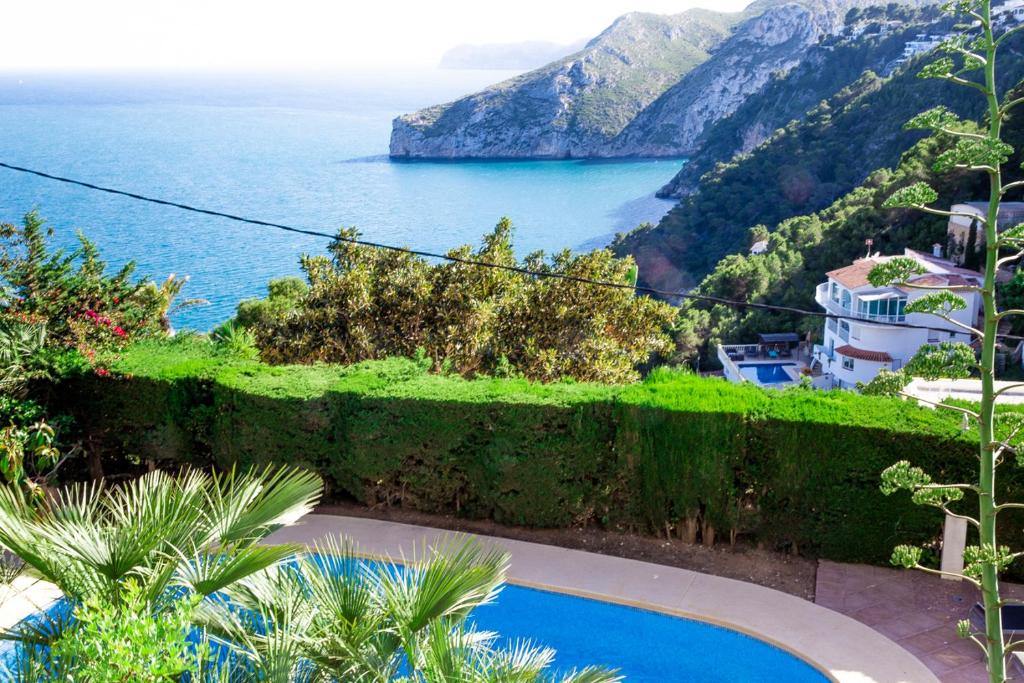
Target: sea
x,y
308,150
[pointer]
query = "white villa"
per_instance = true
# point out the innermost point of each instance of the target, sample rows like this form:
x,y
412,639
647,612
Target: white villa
x,y
959,227
863,341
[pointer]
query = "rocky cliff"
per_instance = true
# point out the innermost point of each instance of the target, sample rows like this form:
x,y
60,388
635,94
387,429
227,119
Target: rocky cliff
x,y
647,86
762,48
575,106
871,40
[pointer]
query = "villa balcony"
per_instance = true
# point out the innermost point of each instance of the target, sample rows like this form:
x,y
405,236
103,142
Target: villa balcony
x,y
821,295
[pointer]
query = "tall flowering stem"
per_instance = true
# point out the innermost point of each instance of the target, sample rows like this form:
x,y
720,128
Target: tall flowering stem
x,y
970,61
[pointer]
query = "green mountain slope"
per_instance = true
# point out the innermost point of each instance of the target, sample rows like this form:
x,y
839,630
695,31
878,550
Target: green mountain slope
x,y
803,248
802,168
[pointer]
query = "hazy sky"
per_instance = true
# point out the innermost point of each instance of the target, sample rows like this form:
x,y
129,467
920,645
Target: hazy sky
x,y
228,34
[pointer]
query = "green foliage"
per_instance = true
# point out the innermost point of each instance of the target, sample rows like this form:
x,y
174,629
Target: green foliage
x,y
330,617
153,533
364,303
894,271
26,451
886,383
942,304
784,468
946,359
21,344
808,165
935,119
283,298
917,194
906,556
114,643
973,154
1011,296
70,292
236,340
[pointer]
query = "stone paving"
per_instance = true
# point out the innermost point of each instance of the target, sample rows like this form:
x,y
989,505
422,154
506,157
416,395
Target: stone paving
x,y
919,611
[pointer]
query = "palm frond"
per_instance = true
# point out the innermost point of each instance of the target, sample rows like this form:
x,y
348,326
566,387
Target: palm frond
x,y
253,504
454,581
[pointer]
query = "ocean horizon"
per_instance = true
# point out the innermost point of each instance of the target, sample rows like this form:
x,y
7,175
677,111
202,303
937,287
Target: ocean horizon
x,y
307,150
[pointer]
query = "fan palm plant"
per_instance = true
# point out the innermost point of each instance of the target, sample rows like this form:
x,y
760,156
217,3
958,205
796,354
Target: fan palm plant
x,y
330,616
19,344
194,533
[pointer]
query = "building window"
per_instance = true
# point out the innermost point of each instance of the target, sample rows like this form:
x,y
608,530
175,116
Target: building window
x,y
847,299
834,292
890,308
844,330
832,324
847,363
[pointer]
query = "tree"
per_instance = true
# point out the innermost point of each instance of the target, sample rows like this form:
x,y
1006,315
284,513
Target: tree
x,y
999,435
364,303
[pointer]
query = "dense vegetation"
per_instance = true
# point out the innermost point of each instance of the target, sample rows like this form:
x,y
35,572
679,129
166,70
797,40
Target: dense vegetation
x,y
165,579
677,453
59,311
802,168
802,249
363,303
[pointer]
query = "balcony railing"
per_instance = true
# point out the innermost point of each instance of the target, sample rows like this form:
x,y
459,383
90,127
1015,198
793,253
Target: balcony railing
x,y
821,295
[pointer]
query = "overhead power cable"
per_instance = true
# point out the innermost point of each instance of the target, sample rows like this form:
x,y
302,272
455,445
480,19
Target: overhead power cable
x,y
466,261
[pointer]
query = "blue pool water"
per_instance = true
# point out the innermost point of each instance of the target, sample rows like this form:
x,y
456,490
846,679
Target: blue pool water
x,y
307,151
766,373
646,647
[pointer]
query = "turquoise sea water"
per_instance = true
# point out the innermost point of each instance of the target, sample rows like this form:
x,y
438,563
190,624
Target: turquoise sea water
x,y
308,151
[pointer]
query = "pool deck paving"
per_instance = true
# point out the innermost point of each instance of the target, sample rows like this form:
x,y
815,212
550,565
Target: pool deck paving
x,y
23,598
916,610
846,648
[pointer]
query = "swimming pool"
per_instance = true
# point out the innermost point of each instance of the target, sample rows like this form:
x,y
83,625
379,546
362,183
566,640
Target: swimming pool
x,y
647,647
766,373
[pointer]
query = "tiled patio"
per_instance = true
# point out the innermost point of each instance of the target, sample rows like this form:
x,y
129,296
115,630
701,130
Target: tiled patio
x,y
917,610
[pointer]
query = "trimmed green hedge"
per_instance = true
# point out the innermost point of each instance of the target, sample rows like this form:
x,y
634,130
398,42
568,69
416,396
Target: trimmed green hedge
x,y
784,468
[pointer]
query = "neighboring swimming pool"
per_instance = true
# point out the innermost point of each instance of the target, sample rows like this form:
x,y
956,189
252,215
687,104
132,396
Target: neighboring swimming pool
x,y
766,373
647,647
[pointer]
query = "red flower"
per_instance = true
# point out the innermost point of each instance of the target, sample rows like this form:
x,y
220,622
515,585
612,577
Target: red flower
x,y
119,331
102,372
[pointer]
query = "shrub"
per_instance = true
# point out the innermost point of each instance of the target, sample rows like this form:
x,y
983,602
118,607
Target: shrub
x,y
364,303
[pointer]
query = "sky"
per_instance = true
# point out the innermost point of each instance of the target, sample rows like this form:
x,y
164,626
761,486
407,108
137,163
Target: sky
x,y
286,34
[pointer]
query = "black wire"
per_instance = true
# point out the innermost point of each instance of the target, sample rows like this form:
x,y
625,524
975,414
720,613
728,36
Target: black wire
x,y
469,262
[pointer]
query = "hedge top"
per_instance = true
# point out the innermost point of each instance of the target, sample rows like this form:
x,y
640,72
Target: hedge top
x,y
402,378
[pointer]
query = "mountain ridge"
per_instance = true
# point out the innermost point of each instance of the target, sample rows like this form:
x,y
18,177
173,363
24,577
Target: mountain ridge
x,y
645,87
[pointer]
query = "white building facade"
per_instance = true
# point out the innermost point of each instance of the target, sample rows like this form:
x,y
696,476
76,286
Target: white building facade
x,y
863,339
